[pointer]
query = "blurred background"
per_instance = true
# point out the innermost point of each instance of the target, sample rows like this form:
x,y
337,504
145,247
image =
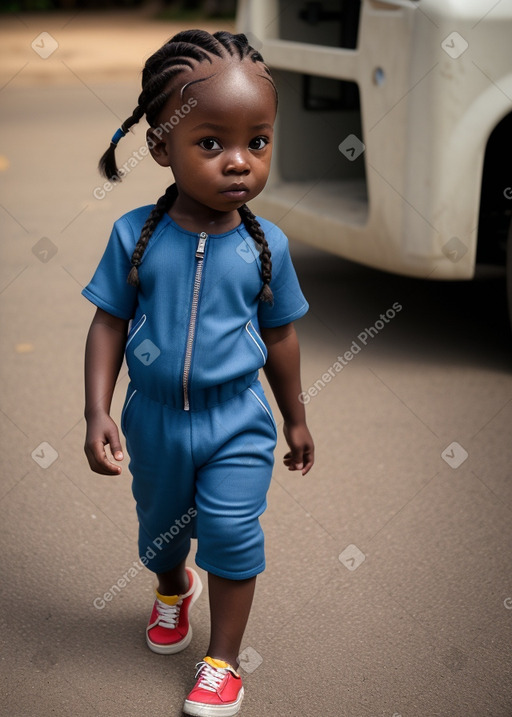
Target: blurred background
x,y
170,9
388,589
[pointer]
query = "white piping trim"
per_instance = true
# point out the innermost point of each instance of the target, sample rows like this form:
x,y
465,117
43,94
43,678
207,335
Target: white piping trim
x,y
249,323
264,408
142,321
129,400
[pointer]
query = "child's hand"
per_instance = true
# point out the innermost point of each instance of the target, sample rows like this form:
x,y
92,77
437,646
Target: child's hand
x,y
102,431
302,454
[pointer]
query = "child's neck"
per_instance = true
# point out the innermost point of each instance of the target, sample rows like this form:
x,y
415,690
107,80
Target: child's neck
x,y
208,220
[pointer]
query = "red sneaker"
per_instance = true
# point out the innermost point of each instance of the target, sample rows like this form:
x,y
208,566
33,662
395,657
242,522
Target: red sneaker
x,y
218,691
169,629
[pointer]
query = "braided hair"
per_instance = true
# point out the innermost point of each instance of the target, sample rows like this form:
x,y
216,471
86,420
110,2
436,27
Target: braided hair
x,y
184,51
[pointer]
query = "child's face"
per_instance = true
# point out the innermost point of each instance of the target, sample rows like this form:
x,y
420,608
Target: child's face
x,y
220,149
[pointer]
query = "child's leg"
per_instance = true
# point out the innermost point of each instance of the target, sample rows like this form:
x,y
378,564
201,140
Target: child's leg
x,y
173,582
230,604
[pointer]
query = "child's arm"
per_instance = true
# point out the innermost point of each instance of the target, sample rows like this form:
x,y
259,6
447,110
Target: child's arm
x,y
283,373
103,358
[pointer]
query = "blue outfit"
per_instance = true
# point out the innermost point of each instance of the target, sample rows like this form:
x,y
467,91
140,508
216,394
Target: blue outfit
x,y
199,431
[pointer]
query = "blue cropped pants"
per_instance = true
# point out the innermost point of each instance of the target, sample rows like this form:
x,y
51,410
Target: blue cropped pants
x,y
201,474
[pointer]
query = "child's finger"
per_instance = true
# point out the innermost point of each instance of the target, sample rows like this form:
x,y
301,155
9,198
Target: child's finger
x,y
287,459
308,462
100,462
304,463
293,461
115,447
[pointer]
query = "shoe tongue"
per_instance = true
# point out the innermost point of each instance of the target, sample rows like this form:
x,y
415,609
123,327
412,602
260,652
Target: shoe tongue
x,y
217,663
168,599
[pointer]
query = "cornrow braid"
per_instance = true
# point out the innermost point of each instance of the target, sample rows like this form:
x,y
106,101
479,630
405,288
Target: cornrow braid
x,y
180,54
254,228
162,206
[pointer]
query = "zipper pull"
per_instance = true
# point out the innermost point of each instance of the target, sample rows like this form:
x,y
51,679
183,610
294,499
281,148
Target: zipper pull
x,y
203,236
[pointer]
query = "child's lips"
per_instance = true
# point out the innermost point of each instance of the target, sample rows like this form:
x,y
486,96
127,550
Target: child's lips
x,y
235,191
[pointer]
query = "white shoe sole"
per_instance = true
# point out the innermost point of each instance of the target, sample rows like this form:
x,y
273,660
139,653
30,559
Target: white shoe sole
x,y
198,709
170,649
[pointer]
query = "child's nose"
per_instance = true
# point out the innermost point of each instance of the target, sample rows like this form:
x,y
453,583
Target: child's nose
x,y
237,161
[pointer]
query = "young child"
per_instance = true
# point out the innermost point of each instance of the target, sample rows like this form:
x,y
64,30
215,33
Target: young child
x,y
187,289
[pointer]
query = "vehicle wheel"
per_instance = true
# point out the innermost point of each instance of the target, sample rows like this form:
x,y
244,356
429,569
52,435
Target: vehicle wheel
x,y
509,273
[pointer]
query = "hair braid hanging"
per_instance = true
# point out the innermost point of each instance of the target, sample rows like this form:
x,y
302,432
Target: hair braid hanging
x,y
107,164
254,228
162,206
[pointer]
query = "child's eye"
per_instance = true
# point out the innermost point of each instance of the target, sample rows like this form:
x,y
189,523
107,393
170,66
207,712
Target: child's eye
x,y
258,143
209,143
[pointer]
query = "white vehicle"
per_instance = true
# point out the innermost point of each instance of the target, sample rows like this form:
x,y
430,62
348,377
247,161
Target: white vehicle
x,y
394,131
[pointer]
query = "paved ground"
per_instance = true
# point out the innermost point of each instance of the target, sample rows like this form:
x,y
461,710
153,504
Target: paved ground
x,y
388,590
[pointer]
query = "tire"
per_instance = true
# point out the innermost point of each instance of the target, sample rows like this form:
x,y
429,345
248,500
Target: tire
x,y
509,272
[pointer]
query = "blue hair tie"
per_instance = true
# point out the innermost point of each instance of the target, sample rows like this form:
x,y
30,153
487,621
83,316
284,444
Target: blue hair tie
x,y
117,136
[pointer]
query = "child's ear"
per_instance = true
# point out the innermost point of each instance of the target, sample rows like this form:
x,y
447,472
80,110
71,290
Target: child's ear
x,y
157,146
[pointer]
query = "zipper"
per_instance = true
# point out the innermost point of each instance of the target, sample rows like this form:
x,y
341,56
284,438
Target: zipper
x,y
201,245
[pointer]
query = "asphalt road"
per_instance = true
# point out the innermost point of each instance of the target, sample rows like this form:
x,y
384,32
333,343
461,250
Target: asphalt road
x,y
388,590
